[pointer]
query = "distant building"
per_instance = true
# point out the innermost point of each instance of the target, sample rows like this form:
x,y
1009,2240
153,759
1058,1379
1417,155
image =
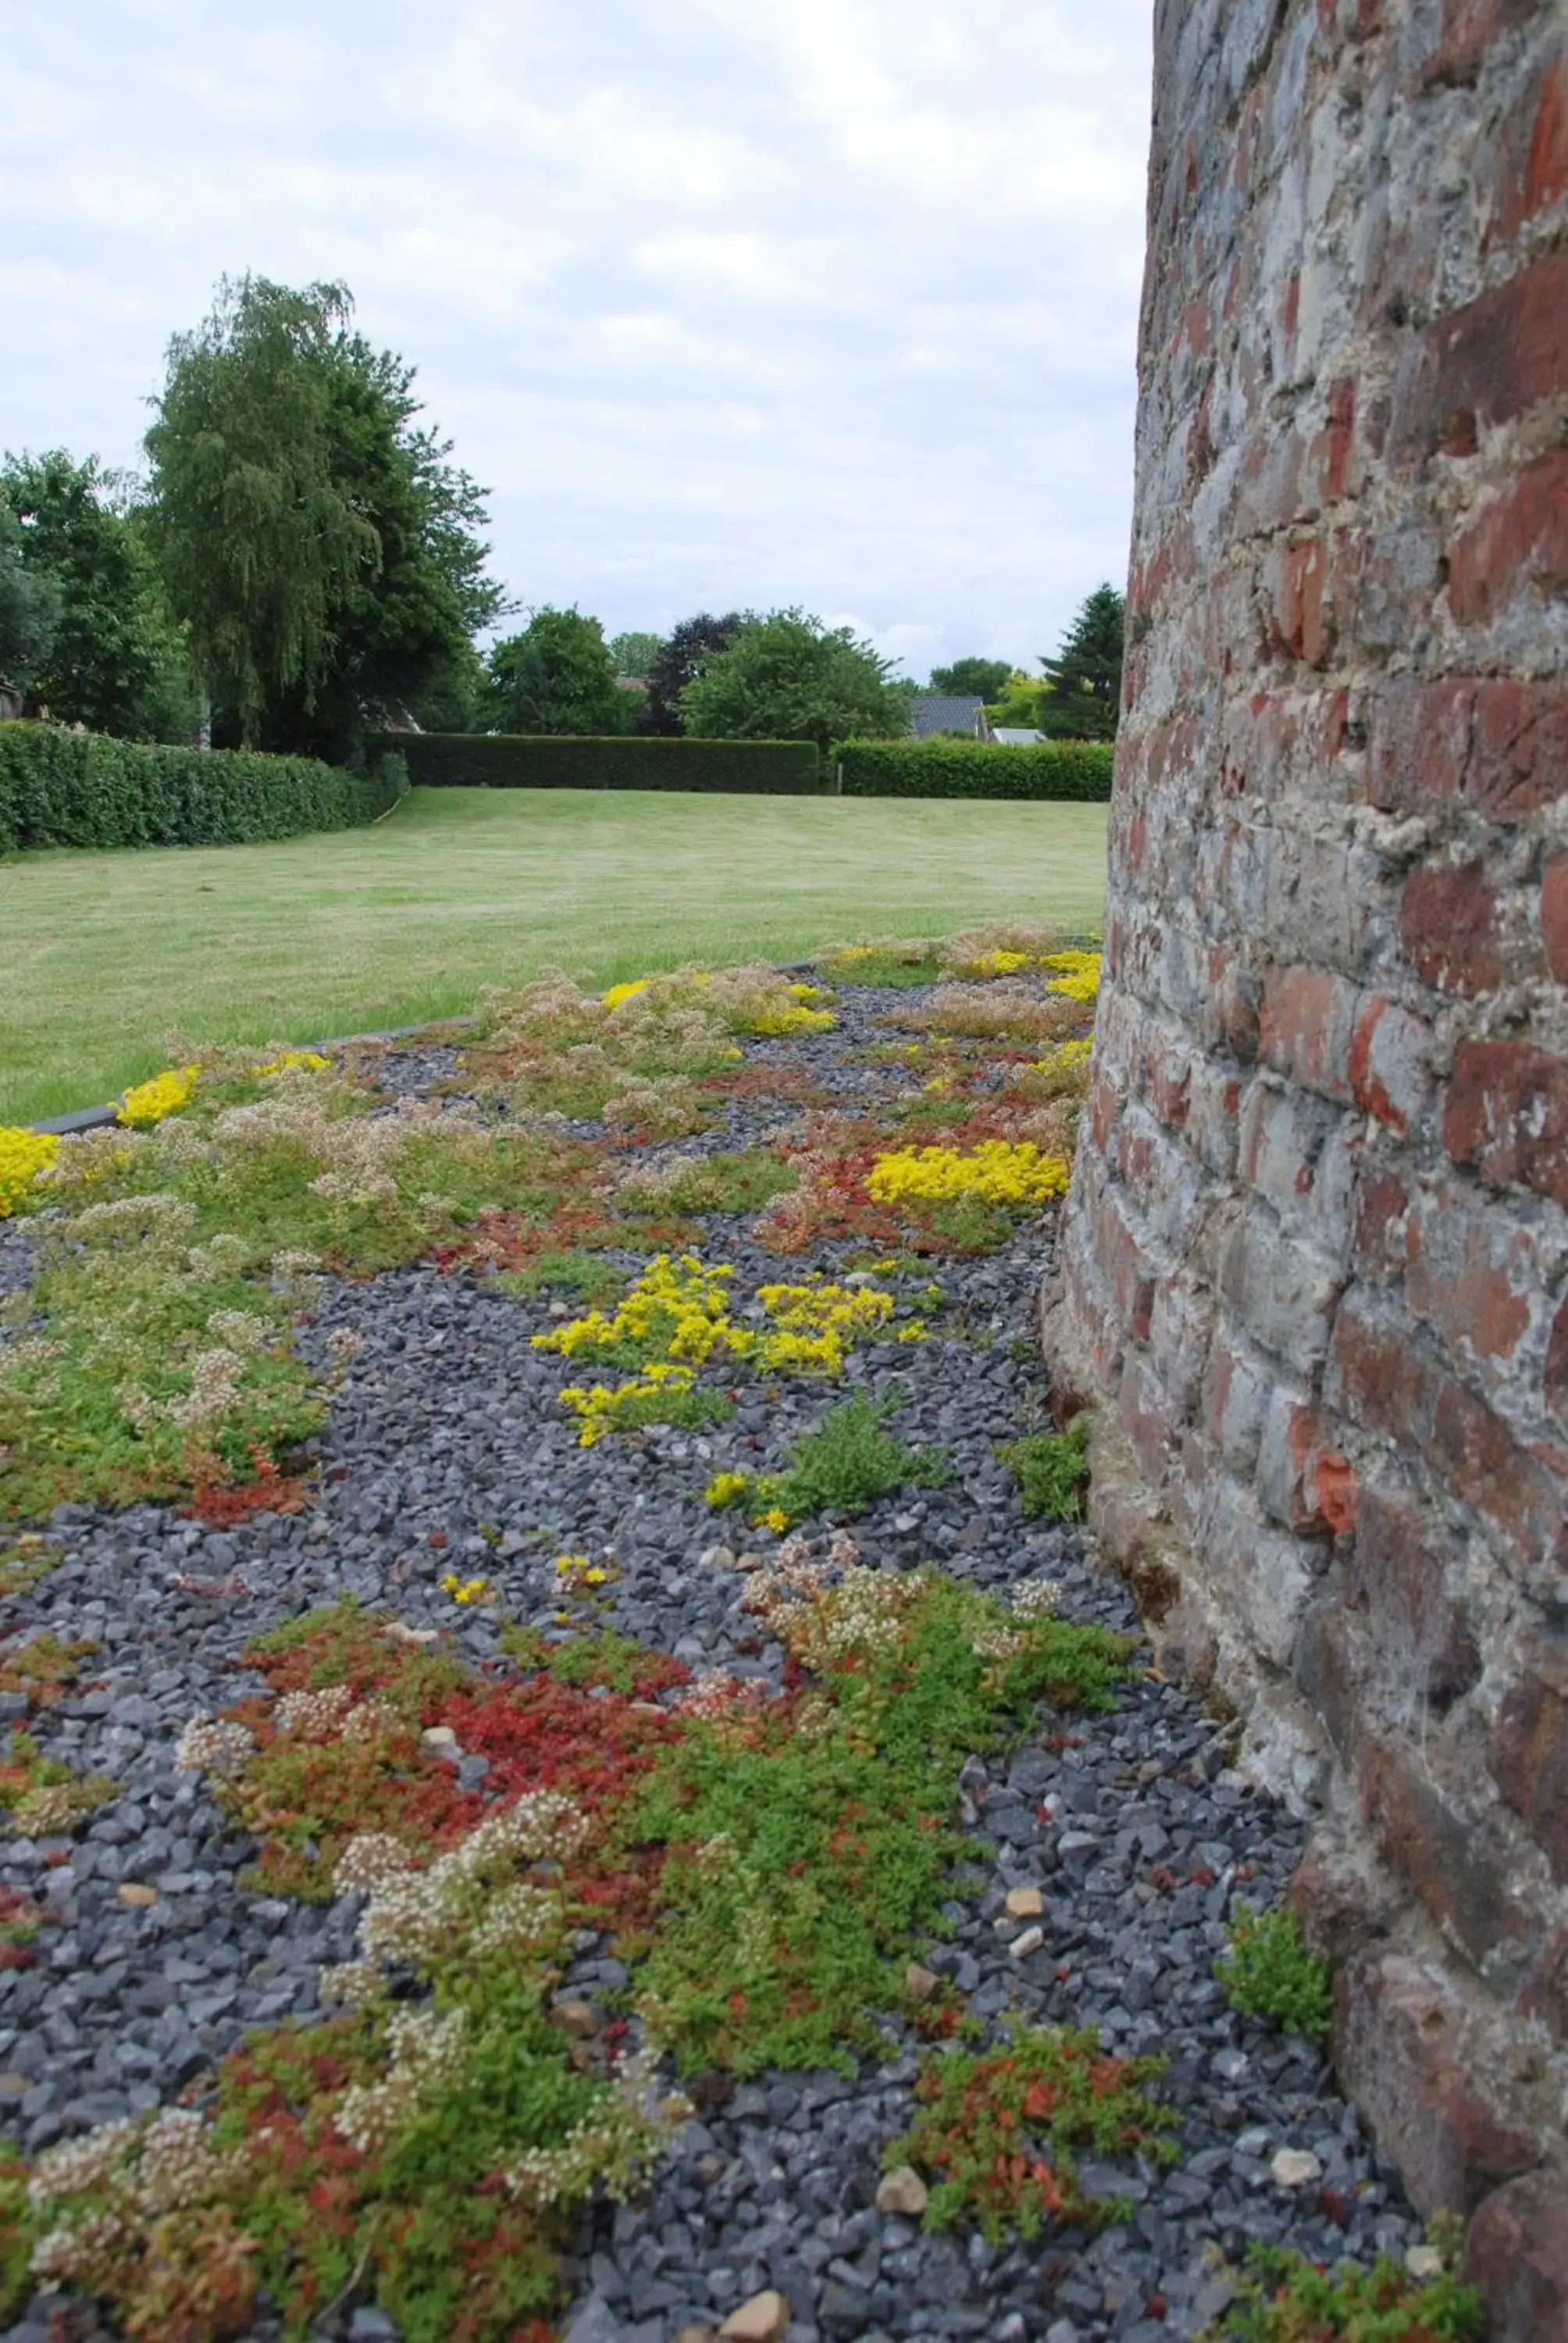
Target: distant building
x,y
1016,736
10,702
931,712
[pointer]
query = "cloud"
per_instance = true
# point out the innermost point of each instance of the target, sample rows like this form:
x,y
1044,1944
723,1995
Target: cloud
x,y
732,301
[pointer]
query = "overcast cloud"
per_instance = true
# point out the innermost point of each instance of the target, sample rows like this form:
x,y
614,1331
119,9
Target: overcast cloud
x,y
730,301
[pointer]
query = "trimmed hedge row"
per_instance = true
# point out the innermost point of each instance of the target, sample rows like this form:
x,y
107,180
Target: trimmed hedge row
x,y
82,789
1079,770
517,761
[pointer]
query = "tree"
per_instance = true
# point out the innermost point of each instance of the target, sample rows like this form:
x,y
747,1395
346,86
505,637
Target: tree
x,y
788,677
322,551
979,678
1084,698
558,676
679,661
29,609
117,662
634,654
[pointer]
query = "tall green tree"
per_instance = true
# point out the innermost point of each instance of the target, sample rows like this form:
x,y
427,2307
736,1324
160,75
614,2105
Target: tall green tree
x,y
981,679
29,609
117,661
1084,698
558,676
634,654
788,677
317,543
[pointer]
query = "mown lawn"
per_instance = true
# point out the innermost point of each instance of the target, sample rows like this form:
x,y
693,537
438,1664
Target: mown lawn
x,y
105,958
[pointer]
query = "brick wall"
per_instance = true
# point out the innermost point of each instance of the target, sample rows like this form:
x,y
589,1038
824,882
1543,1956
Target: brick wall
x,y
1313,1270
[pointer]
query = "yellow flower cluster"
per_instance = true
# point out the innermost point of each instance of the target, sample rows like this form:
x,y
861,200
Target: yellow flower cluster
x,y
166,1093
726,1489
1013,1173
575,1570
1077,975
600,1410
465,1589
1065,1057
619,992
815,1322
295,1062
22,1155
677,1309
993,963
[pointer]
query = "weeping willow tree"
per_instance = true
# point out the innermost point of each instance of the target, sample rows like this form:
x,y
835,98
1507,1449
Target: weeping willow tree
x,y
322,552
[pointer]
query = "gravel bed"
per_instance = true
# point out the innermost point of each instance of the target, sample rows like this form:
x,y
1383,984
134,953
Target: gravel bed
x,y
445,1451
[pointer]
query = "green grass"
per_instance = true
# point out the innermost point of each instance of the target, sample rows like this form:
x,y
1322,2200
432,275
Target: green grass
x,y
102,955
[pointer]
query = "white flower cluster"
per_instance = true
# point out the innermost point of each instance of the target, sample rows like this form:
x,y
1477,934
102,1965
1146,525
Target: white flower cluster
x,y
214,1388
214,1746
615,2145
368,1862
428,2054
996,1642
313,1714
149,2166
241,1330
470,1898
1036,1598
156,1223
75,2251
350,1984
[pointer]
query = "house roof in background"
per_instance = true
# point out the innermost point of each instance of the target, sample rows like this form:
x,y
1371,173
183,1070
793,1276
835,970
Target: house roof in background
x,y
935,712
1016,736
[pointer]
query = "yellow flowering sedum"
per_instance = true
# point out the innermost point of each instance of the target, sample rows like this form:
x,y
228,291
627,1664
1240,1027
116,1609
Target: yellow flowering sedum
x,y
1013,1173
22,1155
619,992
295,1062
1075,974
166,1093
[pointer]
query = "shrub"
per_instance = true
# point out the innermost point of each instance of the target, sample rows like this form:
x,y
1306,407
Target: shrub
x,y
1281,2299
1270,1973
516,760
841,1467
82,789
1064,770
1050,1469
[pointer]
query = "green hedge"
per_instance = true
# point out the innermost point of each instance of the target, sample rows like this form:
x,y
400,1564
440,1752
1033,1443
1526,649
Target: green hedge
x,y
972,769
517,761
82,789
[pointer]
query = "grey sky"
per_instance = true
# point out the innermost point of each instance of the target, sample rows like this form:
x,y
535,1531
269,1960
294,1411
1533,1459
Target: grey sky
x,y
728,301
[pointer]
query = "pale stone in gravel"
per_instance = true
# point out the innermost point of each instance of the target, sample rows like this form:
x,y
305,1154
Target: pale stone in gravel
x,y
1030,1942
440,1737
904,2192
1025,1903
135,1897
920,1983
1293,2168
578,2018
764,2320
1423,2262
695,2335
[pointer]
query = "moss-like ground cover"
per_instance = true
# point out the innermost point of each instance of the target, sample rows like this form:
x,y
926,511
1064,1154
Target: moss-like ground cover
x,y
764,1859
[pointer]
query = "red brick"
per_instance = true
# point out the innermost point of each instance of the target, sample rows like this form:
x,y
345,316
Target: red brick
x,y
1129,1269
1554,916
1305,1029
1536,169
1519,751
1421,741
1448,919
1147,1416
1401,2036
1468,30
1484,363
1379,1224
1557,1368
1530,1747
1296,581
1389,1064
1516,2256
1519,539
1507,1113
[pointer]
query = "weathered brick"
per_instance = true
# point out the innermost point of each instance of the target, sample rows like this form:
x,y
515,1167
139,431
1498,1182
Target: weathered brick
x,y
1419,746
1282,1291
1307,1025
1519,751
1520,539
1516,2257
1443,1852
1401,2035
1390,1063
1530,1745
1266,1576
1464,33
1554,916
1235,1396
1533,172
1507,1115
1482,365
1148,1415
1403,1570
1448,919
1474,1273
1379,1223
